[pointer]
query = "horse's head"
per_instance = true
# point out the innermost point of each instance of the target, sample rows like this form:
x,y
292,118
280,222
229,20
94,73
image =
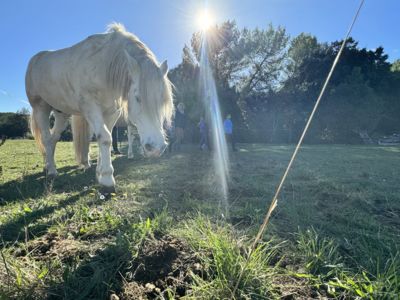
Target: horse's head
x,y
150,106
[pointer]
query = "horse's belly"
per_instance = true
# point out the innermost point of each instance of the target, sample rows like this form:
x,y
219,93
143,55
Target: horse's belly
x,y
61,102
65,109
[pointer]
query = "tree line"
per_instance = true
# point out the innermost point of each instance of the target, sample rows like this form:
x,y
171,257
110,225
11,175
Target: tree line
x,y
269,81
16,125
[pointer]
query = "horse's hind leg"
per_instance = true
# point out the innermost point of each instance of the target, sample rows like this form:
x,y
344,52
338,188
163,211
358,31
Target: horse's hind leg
x,y
43,136
81,138
60,123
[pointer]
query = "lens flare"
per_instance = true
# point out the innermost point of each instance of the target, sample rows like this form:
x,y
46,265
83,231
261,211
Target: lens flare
x,y
205,20
211,103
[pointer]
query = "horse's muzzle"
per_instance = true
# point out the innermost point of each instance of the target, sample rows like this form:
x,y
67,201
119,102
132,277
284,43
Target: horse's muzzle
x,y
150,151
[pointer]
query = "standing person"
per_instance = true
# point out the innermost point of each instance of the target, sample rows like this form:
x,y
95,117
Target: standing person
x,y
203,134
228,128
179,122
115,137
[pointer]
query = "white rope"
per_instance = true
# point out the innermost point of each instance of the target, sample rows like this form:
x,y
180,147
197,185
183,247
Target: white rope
x,y
274,200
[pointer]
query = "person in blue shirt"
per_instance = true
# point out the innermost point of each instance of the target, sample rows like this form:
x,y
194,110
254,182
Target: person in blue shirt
x,y
228,128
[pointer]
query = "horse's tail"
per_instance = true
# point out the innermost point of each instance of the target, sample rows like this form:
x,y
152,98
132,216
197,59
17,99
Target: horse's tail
x,y
37,134
81,138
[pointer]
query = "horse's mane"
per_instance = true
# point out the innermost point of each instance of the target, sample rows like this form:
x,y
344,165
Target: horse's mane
x,y
139,49
118,75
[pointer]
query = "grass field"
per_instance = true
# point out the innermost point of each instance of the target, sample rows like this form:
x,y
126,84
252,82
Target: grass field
x,y
163,235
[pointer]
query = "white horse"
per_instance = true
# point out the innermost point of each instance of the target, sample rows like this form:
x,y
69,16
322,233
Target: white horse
x,y
95,81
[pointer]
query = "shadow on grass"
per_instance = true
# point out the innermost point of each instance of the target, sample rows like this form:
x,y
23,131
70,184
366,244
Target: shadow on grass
x,y
35,186
96,277
15,230
70,179
69,182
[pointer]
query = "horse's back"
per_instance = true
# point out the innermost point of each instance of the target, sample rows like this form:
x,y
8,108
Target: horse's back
x,y
78,52
61,75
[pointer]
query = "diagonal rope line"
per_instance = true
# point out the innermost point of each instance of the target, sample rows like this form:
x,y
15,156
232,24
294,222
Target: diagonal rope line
x,y
274,200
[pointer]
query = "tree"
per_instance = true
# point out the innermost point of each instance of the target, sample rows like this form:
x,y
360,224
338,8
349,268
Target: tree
x,y
247,65
251,61
358,96
351,108
222,42
185,78
262,65
14,125
270,83
307,64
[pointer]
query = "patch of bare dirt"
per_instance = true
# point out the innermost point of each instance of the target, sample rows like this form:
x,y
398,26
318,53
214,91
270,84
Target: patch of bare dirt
x,y
163,266
51,245
296,288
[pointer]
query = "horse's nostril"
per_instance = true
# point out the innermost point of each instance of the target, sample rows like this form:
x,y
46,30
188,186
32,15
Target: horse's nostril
x,y
148,147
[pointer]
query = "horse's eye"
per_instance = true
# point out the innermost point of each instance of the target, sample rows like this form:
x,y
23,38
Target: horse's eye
x,y
138,100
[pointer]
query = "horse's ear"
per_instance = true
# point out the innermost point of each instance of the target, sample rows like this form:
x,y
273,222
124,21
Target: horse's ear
x,y
164,68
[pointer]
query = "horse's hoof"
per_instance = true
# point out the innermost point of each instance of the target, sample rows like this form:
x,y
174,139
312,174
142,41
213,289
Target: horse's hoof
x,y
51,176
84,166
106,191
130,156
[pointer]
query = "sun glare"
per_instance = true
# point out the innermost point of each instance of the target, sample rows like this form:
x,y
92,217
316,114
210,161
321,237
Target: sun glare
x,y
205,20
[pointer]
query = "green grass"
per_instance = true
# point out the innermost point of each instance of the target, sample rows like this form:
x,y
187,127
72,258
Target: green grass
x,y
223,255
335,232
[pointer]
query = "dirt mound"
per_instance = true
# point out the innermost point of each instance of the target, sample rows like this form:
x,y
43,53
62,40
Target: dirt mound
x,y
51,245
164,266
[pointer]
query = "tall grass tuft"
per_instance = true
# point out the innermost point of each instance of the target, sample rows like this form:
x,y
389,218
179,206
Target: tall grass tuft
x,y
385,284
223,257
324,264
320,255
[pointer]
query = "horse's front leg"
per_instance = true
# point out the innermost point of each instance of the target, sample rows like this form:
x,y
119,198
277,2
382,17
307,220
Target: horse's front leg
x,y
104,169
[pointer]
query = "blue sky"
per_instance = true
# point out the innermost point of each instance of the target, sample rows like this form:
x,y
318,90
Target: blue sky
x,y
27,27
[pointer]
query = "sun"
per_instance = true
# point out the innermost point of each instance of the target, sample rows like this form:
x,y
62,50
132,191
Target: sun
x,y
205,20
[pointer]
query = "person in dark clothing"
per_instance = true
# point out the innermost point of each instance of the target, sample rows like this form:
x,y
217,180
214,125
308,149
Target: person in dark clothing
x,y
179,122
115,140
203,134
